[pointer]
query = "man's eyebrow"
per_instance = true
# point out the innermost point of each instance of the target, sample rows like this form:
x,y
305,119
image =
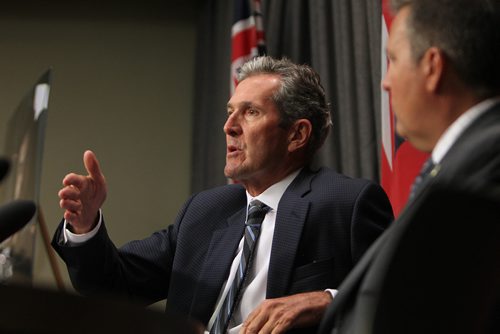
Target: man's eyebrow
x,y
244,104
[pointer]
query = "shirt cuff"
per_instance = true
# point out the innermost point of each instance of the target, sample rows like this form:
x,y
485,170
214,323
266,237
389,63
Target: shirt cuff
x,y
73,239
333,292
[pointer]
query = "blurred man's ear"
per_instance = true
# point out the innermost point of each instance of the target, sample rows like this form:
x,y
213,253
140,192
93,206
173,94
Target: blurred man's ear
x,y
432,63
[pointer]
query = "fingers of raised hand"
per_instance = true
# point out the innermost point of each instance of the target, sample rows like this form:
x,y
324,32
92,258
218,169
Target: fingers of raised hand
x,y
74,206
71,217
70,201
82,195
74,180
69,192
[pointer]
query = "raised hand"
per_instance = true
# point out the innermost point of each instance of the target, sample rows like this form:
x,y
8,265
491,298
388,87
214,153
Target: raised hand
x,y
82,196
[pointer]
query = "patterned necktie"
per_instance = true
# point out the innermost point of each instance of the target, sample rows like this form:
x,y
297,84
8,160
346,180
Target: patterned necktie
x,y
256,213
426,169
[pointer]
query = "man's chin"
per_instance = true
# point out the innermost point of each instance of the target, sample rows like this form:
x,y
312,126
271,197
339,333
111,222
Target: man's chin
x,y
232,177
232,174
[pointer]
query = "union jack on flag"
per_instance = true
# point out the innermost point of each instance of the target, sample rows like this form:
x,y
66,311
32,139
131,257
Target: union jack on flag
x,y
247,35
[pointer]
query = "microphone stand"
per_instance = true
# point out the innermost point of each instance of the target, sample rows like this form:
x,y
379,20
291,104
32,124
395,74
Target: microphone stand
x,y
50,251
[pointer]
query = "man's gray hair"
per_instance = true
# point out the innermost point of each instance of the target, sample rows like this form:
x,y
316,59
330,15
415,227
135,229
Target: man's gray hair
x,y
300,95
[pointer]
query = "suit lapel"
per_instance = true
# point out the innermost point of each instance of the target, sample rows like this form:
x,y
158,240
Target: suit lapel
x,y
220,254
287,233
292,214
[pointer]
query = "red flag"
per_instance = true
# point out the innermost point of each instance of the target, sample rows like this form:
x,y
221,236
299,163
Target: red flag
x,y
400,161
247,35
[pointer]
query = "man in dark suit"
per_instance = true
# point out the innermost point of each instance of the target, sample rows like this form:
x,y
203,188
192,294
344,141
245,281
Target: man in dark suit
x,y
444,81
317,223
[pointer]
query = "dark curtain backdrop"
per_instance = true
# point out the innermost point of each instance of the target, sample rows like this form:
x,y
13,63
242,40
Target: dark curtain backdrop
x,y
340,39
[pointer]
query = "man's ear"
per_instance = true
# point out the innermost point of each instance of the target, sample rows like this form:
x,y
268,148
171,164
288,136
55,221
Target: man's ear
x,y
299,134
433,62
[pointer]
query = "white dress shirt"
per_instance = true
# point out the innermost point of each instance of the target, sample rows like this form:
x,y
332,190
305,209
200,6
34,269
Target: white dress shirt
x,y
450,136
256,282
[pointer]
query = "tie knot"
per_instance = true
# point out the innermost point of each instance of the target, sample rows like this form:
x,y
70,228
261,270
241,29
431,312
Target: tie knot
x,y
427,167
257,209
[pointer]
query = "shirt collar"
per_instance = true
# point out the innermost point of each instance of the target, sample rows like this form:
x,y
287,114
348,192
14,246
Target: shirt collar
x,y
272,195
454,131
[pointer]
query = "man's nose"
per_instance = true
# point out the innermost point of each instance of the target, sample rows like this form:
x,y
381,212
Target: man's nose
x,y
385,83
232,127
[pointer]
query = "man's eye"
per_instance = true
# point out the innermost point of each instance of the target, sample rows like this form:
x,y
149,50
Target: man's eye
x,y
391,57
252,112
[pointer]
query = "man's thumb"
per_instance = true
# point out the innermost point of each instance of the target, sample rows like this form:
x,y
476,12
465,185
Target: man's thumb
x,y
92,166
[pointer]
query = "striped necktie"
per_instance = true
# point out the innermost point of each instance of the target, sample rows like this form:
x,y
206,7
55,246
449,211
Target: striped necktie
x,y
424,171
256,213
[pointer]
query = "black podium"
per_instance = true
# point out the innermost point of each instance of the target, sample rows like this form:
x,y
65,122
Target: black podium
x,y
29,310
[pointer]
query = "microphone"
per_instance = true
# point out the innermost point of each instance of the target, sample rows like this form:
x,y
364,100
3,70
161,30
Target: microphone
x,y
4,167
14,215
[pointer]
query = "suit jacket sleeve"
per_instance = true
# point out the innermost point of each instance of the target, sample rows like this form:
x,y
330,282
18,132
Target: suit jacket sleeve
x,y
139,270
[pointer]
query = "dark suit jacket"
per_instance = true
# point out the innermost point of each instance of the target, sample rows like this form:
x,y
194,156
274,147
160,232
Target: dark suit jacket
x,y
468,172
325,222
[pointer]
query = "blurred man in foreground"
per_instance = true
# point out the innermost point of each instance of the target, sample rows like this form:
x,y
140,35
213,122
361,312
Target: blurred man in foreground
x,y
444,81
